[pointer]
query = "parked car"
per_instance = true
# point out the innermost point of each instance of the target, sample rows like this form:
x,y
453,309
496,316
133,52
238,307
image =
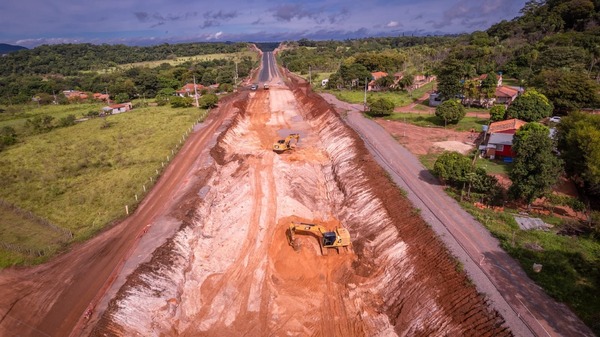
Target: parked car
x,y
555,119
254,86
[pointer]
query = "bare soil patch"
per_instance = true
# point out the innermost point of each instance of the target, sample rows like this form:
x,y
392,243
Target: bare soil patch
x,y
228,270
421,141
232,272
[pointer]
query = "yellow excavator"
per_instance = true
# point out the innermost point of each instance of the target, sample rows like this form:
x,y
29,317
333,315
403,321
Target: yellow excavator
x,y
283,145
327,239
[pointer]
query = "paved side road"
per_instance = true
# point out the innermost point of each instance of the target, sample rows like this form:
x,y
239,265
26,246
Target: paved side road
x,y
528,311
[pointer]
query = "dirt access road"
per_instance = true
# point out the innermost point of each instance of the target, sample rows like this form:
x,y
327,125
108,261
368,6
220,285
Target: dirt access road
x,y
229,270
526,308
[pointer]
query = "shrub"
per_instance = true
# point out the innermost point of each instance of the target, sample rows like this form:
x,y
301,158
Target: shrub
x,y
181,102
497,113
452,167
451,111
66,121
380,107
208,101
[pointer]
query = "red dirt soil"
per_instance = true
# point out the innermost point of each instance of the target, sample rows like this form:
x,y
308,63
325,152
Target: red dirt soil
x,y
50,299
398,279
301,293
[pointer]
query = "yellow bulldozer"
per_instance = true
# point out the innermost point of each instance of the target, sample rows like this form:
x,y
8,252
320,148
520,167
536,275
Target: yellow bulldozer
x,y
327,239
283,145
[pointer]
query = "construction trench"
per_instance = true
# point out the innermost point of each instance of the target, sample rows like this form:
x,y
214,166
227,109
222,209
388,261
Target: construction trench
x,y
229,270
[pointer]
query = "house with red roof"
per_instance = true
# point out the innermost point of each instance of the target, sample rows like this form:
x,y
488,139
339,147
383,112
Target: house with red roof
x,y
373,86
190,90
73,95
506,95
484,76
500,138
102,97
114,109
419,80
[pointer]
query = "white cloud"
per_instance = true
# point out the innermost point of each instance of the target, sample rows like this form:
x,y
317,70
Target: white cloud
x,y
392,24
214,36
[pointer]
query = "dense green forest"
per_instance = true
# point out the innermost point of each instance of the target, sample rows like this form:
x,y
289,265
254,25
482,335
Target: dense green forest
x,y
390,54
70,59
553,46
48,70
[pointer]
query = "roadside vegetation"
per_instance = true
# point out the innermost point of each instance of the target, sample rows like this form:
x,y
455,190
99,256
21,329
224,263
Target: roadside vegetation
x,y
430,120
570,266
69,168
79,178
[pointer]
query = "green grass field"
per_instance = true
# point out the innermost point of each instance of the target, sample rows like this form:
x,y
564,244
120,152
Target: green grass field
x,y
493,166
400,98
81,177
16,115
431,120
571,265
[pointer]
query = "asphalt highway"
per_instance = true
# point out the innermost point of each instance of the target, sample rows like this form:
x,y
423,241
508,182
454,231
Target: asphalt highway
x,y
528,311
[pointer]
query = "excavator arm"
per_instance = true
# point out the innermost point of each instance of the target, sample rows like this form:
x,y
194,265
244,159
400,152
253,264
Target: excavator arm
x,y
283,145
327,239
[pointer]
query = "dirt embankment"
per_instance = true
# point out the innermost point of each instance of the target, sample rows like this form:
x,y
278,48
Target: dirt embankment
x,y
230,271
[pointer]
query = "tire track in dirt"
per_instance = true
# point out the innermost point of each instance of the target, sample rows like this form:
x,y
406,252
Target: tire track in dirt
x,y
399,280
236,279
423,243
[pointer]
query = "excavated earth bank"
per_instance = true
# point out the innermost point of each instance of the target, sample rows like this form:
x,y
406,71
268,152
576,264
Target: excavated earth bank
x,y
229,271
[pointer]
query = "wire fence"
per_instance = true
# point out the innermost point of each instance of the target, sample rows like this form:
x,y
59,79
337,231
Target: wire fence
x,y
65,234
139,195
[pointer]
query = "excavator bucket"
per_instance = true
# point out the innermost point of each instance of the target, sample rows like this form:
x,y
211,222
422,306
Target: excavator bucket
x,y
290,235
291,238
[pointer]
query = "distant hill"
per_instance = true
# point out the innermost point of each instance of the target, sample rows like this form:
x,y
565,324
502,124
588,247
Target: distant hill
x,y
8,48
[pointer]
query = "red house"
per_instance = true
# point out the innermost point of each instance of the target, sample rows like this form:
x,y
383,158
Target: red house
x,y
506,95
499,144
372,86
190,90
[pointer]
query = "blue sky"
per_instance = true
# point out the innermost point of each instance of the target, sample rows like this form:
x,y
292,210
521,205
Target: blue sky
x,y
33,22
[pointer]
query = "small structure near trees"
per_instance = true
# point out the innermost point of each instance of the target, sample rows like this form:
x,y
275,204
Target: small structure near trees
x,y
117,108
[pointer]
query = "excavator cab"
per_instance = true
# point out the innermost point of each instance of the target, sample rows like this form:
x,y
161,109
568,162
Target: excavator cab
x,y
329,239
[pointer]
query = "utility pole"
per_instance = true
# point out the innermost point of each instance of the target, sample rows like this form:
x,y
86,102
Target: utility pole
x,y
365,99
196,93
236,76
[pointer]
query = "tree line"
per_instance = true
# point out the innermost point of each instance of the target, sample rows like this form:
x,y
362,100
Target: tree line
x,y
70,59
136,82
